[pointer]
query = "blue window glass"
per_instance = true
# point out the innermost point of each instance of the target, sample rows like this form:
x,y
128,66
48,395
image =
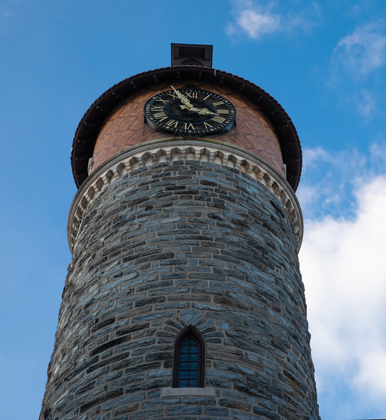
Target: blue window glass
x,y
188,364
184,357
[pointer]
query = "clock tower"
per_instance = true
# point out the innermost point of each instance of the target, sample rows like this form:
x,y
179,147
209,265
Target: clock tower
x,y
183,298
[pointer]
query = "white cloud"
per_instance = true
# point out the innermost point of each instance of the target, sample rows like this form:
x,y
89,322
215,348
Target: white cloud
x,y
344,270
315,155
327,181
257,23
378,155
257,20
357,67
361,52
367,106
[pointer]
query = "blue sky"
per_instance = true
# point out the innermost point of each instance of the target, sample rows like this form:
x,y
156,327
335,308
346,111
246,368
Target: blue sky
x,y
324,61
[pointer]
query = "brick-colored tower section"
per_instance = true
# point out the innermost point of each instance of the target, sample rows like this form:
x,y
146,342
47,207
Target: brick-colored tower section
x,y
172,234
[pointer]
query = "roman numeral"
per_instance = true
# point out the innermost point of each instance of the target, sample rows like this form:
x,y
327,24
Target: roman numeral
x,y
189,126
191,94
157,108
160,116
162,100
218,103
206,97
218,119
206,125
222,111
172,123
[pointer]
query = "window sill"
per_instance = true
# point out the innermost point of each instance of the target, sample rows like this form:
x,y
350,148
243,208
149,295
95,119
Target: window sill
x,y
187,392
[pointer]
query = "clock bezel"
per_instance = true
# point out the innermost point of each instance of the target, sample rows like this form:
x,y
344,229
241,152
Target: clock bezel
x,y
159,124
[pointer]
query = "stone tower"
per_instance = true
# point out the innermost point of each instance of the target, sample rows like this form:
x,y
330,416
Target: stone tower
x,y
183,298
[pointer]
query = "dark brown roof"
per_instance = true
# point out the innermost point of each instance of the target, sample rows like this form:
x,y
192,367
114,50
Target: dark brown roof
x,y
89,126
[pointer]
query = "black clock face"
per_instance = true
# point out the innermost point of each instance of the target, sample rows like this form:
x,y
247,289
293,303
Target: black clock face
x,y
190,112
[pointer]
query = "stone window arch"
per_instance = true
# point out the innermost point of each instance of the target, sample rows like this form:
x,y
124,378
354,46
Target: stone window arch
x,y
189,360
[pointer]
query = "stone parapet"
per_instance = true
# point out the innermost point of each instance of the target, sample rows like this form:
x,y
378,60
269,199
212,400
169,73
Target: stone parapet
x,y
171,150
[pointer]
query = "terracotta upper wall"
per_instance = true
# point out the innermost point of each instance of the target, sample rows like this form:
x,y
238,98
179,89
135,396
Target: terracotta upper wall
x,y
126,126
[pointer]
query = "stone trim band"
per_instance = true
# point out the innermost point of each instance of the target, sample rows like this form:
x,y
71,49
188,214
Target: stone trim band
x,y
187,392
167,150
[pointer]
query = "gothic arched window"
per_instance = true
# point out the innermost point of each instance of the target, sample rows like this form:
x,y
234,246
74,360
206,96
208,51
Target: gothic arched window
x,y
189,361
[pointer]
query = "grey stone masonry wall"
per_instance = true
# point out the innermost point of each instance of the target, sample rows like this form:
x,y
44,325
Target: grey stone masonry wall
x,y
165,247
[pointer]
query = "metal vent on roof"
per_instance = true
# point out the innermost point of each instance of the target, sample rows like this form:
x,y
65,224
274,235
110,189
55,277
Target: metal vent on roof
x,y
192,55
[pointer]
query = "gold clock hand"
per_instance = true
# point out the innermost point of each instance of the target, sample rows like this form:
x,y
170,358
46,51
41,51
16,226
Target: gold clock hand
x,y
184,100
206,112
187,105
202,111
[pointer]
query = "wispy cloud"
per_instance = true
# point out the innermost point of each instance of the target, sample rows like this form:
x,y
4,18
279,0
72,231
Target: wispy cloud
x,y
358,63
4,13
368,105
361,52
256,20
342,262
328,180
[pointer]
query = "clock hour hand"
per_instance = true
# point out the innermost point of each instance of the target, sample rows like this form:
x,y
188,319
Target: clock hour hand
x,y
201,111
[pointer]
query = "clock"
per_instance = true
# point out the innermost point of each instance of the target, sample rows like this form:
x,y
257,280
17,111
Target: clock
x,y
190,111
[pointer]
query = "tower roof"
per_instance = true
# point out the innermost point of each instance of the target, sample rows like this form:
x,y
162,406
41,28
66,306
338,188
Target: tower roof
x,y
93,120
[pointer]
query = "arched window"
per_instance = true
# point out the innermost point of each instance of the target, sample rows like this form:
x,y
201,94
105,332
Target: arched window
x,y
189,361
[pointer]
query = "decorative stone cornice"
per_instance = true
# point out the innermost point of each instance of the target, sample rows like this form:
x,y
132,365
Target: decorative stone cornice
x,y
171,149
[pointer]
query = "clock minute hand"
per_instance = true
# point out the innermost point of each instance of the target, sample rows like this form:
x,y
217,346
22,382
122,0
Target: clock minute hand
x,y
184,100
187,105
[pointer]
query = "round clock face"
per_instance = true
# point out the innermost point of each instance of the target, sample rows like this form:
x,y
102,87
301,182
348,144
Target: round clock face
x,y
190,112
